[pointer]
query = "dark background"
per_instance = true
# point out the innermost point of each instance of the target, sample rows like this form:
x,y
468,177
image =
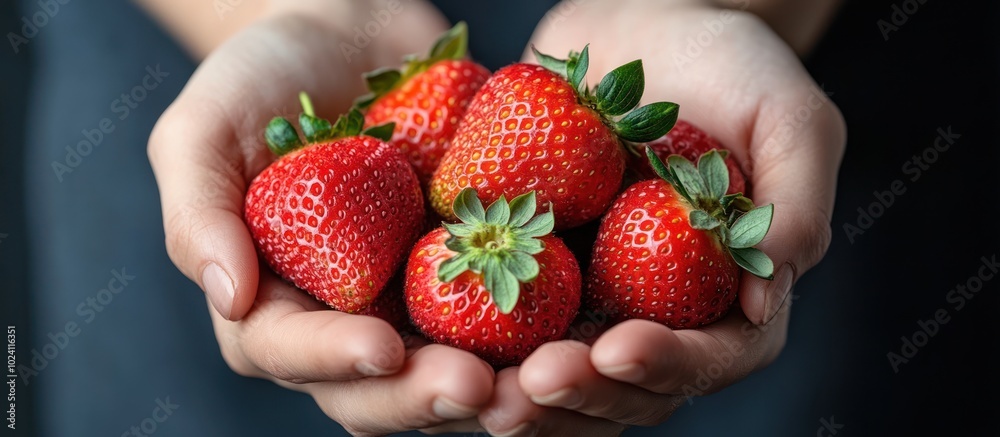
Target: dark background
x,y
939,69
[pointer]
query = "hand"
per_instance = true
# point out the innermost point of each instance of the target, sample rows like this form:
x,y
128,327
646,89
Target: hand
x,y
747,88
207,147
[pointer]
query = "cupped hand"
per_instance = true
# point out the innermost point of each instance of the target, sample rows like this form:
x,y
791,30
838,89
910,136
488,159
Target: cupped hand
x,y
734,78
205,150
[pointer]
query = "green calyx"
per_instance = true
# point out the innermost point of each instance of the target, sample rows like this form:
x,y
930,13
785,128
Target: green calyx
x,y
498,243
282,138
452,45
732,217
616,97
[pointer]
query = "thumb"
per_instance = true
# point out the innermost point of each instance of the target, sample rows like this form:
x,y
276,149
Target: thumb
x,y
201,192
795,168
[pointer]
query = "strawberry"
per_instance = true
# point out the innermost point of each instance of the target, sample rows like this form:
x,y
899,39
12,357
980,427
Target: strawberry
x,y
390,306
689,141
497,284
669,249
540,128
335,216
426,100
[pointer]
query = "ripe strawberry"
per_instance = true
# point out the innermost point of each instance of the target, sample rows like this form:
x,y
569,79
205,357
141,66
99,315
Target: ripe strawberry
x,y
540,128
498,284
390,306
689,141
669,249
336,216
426,100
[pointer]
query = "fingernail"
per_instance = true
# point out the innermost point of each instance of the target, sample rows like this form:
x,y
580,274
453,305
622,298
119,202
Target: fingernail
x,y
777,291
448,409
626,372
526,429
369,369
219,287
565,398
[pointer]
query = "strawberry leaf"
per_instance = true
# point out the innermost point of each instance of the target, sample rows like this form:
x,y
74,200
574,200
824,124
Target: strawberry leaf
x,y
382,131
688,176
621,89
754,261
701,220
281,137
499,212
713,170
555,65
522,209
382,80
750,228
576,68
502,285
498,244
453,44
451,268
468,208
523,266
459,229
540,226
530,246
648,122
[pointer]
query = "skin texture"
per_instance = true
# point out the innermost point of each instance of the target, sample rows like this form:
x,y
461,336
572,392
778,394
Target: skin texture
x,y
648,263
207,147
461,313
336,218
525,131
687,140
427,109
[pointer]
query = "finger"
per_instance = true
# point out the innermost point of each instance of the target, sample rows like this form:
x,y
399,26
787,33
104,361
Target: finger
x,y
512,413
459,426
795,168
201,192
438,384
687,362
290,337
559,374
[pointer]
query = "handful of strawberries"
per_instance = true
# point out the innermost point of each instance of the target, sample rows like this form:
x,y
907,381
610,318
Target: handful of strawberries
x,y
340,213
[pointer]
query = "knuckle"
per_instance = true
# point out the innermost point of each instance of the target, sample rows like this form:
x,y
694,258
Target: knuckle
x,y
234,357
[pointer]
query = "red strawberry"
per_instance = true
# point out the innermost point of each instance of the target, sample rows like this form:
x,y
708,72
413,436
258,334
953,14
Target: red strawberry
x,y
497,285
426,100
671,251
390,306
539,128
687,140
336,216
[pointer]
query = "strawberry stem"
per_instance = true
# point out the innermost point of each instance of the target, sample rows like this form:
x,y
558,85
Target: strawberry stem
x,y
497,243
733,218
